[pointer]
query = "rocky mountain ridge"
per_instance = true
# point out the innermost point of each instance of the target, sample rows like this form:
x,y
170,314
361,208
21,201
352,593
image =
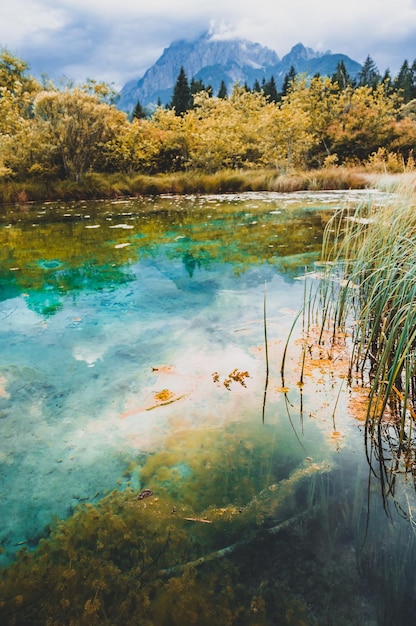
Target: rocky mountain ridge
x,y
212,59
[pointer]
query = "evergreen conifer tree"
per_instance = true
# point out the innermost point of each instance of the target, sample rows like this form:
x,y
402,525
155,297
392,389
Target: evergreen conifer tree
x,y
405,81
256,86
341,76
369,75
388,83
270,90
413,70
182,98
287,81
138,112
222,92
197,85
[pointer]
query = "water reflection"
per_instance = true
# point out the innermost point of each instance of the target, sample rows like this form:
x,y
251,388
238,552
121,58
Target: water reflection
x,y
133,356
59,249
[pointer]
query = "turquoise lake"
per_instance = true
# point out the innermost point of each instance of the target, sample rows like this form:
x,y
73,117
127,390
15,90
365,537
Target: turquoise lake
x,y
131,329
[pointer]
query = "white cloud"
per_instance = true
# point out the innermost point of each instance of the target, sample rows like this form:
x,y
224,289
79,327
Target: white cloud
x,y
23,19
220,30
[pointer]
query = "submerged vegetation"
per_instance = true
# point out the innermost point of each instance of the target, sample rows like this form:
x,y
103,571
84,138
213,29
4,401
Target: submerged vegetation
x,y
200,548
227,530
159,559
230,523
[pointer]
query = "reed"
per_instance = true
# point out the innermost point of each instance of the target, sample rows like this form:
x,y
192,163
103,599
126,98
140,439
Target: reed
x,y
266,350
370,283
323,179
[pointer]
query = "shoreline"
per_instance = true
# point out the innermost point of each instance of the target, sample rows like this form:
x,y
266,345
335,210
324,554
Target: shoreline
x,y
100,187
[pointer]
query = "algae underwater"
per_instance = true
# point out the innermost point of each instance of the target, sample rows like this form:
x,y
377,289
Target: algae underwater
x,y
133,358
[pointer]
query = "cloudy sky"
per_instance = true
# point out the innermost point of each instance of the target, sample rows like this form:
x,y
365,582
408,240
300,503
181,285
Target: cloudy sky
x,y
117,40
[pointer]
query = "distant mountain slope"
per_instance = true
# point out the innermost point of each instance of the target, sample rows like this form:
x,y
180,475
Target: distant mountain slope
x,y
232,60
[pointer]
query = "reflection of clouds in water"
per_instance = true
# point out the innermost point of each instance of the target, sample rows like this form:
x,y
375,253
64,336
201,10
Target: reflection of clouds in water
x,y
113,347
89,354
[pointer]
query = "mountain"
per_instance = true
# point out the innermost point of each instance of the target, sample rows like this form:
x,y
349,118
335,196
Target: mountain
x,y
212,59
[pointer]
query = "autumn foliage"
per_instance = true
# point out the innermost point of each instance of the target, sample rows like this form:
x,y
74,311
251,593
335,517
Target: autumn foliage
x,y
49,134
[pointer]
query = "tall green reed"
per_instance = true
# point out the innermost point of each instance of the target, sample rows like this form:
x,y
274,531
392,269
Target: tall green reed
x,y
369,285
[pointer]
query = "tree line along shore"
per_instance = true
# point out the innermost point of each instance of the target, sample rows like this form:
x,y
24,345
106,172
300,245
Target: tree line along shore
x,y
72,141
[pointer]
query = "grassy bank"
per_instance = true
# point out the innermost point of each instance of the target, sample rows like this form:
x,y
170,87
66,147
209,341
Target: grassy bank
x,y
95,186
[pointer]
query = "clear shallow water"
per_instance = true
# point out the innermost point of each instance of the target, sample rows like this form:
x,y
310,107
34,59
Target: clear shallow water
x,y
120,323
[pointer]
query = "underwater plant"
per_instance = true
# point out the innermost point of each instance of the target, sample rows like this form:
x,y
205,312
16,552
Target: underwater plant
x,y
189,547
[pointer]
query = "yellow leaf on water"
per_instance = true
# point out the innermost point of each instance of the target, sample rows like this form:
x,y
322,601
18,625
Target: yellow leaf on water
x,y
164,395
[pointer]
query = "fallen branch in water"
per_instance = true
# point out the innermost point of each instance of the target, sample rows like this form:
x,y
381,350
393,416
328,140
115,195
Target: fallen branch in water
x,y
220,554
140,409
281,491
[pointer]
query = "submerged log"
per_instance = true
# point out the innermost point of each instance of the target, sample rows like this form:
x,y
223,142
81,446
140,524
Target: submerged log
x,y
223,552
280,492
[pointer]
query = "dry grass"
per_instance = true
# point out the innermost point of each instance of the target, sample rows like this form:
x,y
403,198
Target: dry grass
x,y
95,185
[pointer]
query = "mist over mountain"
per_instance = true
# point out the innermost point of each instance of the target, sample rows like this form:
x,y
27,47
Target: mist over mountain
x,y
212,59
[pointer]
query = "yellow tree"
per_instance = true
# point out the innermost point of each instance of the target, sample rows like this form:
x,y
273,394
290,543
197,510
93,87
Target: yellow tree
x,y
28,153
402,138
320,98
364,122
210,129
250,107
77,125
223,133
137,147
286,135
174,150
17,91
